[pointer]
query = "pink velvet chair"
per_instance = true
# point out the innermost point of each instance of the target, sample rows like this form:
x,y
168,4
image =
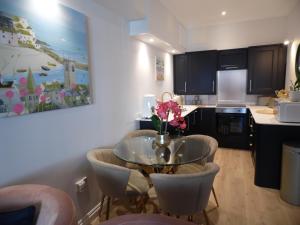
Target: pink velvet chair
x,y
53,207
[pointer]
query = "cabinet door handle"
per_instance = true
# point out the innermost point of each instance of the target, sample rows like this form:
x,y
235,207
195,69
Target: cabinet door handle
x,y
213,87
250,86
185,86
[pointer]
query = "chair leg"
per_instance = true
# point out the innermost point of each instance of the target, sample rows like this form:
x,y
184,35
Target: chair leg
x,y
206,217
107,208
215,196
101,206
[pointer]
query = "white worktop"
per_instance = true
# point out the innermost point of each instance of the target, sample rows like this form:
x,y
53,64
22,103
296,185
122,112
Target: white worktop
x,y
267,119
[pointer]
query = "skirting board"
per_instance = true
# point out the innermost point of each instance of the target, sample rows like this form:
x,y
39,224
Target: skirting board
x,y
90,215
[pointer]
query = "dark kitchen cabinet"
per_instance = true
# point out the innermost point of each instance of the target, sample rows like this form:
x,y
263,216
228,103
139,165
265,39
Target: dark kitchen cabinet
x,y
202,70
266,69
233,59
195,73
180,74
202,121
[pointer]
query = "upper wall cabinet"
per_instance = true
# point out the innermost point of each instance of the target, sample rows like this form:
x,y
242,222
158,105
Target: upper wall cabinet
x,y
180,74
266,69
234,59
202,70
195,73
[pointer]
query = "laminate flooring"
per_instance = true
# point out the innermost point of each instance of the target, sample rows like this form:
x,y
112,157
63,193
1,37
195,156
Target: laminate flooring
x,y
241,202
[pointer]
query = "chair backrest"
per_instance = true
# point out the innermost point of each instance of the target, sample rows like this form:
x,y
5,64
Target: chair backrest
x,y
138,133
185,194
53,206
112,177
204,143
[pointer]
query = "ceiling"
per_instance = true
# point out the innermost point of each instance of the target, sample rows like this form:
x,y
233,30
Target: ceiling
x,y
196,13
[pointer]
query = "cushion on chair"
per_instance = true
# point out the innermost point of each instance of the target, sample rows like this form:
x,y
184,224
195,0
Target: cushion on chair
x,y
137,184
18,217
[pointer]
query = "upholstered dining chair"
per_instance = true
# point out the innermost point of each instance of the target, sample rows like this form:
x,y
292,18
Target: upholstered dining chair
x,y
117,181
185,194
138,133
52,206
205,143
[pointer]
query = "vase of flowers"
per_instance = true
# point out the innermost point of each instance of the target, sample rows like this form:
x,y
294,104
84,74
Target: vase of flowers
x,y
167,113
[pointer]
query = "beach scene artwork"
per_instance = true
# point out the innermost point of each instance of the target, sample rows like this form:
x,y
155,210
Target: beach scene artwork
x,y
43,57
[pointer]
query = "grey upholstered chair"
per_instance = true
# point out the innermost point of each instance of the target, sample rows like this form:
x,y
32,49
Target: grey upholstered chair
x,y
53,206
116,181
205,143
185,194
138,133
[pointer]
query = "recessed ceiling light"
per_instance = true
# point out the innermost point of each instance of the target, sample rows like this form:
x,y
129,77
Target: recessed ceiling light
x,y
286,42
223,13
173,51
151,40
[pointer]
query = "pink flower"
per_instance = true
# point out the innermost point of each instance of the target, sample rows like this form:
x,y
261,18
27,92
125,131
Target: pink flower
x,y
23,81
23,92
174,123
182,125
18,108
42,98
9,94
38,91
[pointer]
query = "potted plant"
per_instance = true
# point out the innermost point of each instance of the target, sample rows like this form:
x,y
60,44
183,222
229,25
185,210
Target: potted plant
x,y
295,87
167,113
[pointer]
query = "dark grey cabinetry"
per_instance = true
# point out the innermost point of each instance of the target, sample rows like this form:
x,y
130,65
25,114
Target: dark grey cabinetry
x,y
233,59
195,73
266,69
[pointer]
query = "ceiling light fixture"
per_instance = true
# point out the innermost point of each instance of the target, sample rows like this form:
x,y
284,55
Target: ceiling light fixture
x,y
151,40
286,42
223,13
173,51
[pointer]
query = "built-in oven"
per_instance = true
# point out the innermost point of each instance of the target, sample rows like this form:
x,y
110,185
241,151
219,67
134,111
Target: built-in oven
x,y
232,127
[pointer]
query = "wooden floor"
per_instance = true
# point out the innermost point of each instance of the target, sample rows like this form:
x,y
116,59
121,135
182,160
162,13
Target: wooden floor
x,y
241,202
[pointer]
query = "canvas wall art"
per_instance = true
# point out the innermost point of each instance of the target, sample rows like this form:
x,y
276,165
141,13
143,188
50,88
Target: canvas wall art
x,y
160,68
43,57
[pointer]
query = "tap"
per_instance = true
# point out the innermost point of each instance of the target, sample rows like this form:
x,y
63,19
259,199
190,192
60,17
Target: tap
x,y
166,93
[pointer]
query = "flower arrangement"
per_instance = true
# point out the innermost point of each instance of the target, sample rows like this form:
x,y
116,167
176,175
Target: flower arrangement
x,y
160,120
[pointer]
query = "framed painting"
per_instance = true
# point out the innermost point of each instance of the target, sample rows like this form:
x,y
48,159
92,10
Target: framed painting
x,y
159,68
43,57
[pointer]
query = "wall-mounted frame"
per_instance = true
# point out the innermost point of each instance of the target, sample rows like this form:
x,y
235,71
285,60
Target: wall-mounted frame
x,y
159,68
43,57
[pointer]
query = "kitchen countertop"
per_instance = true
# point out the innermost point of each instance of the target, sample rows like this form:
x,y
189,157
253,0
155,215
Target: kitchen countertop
x,y
267,119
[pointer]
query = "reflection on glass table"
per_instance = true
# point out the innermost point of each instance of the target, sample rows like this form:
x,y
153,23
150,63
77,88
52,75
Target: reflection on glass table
x,y
143,151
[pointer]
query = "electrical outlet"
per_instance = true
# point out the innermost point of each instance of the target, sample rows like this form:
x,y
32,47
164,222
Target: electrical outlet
x,y
81,184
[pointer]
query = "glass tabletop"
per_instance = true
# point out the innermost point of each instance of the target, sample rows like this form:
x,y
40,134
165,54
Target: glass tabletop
x,y
143,151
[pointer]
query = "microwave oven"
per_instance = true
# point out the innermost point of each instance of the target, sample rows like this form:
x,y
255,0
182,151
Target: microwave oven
x,y
287,111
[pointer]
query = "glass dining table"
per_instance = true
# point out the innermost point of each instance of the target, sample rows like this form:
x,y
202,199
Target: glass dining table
x,y
143,151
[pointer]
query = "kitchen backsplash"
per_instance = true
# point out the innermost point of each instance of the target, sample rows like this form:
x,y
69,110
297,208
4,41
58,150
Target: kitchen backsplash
x,y
212,99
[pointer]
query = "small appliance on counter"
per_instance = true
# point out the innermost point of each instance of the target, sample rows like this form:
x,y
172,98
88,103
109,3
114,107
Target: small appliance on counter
x,y
148,103
287,111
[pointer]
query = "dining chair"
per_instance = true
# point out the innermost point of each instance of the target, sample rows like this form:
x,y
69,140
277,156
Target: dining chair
x,y
138,133
205,143
185,194
52,206
116,181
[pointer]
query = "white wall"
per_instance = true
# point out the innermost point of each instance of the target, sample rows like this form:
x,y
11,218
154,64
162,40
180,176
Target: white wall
x,y
293,35
238,35
50,147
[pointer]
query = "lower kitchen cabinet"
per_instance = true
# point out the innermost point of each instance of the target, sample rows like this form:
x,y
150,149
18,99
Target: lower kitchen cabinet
x,y
266,146
202,121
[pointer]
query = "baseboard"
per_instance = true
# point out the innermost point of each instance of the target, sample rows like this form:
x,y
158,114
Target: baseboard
x,y
87,218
